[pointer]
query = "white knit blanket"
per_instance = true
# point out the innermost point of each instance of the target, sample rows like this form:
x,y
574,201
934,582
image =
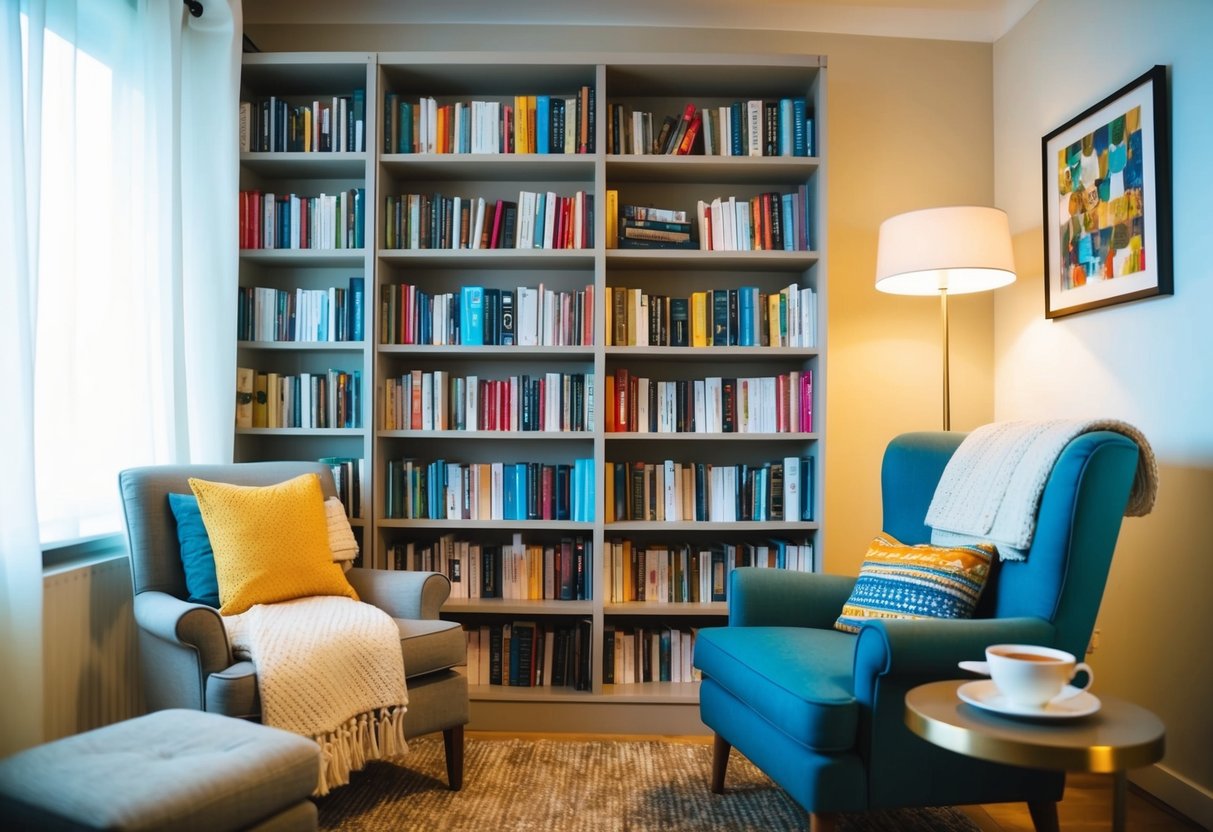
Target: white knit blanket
x,y
328,668
991,488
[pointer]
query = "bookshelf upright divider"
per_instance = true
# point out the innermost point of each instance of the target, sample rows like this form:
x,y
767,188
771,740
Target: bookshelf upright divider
x,y
510,470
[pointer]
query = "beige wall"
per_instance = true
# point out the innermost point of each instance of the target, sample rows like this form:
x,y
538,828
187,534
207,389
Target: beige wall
x,y
1144,362
895,143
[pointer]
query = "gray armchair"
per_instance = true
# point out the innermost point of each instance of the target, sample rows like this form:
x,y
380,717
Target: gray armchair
x,y
185,658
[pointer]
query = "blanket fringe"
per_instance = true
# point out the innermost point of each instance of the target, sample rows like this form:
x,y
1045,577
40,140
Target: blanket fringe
x,y
375,735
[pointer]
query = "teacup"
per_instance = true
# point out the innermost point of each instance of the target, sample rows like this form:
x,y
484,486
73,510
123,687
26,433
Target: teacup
x,y
1031,676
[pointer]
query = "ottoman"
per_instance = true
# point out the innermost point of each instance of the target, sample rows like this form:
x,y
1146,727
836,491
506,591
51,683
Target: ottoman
x,y
173,770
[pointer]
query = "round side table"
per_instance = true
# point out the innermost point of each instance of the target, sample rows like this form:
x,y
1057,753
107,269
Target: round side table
x,y
1118,737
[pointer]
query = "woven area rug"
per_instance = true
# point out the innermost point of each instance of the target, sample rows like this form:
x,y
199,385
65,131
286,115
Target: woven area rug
x,y
515,784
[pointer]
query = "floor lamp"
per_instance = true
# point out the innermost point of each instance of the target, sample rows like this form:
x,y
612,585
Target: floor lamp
x,y
945,251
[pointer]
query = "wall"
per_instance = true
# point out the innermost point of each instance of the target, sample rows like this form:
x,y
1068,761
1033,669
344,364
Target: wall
x,y
1145,362
894,144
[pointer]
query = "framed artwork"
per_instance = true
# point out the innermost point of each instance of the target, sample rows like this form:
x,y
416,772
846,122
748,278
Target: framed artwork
x,y
1107,201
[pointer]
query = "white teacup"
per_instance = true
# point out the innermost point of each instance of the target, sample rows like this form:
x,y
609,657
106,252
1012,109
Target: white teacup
x,y
1031,676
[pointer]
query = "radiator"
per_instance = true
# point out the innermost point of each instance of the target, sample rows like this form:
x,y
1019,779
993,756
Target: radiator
x,y
90,658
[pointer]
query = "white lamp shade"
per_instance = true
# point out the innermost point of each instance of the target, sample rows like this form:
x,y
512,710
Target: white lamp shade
x,y
958,249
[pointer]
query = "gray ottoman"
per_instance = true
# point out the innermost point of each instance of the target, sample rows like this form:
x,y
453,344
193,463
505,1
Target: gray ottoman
x,y
172,770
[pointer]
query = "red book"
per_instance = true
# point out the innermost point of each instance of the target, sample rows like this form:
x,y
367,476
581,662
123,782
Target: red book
x,y
546,491
623,408
495,238
688,140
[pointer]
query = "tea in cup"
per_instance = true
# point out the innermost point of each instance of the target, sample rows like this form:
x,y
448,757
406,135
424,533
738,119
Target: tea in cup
x,y
1031,676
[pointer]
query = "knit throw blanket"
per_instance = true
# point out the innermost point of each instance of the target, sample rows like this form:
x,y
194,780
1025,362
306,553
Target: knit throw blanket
x,y
328,668
991,487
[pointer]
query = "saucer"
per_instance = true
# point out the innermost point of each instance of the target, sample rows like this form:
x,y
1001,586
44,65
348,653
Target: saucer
x,y
985,695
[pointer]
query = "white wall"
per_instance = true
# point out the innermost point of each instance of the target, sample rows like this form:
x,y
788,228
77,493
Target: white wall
x,y
1145,362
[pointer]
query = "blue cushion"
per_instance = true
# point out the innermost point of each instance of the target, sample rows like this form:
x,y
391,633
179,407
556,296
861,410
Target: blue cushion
x,y
797,678
196,554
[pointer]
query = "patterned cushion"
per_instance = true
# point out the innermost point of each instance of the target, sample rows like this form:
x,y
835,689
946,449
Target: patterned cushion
x,y
196,555
271,543
900,581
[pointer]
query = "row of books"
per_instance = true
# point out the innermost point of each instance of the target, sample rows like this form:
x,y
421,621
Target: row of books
x,y
331,399
530,654
756,127
644,226
635,655
538,219
347,477
768,404
332,314
527,316
521,124
672,491
687,573
442,490
438,400
331,125
515,571
325,221
741,316
768,221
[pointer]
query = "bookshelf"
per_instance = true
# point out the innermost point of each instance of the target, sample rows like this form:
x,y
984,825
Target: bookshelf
x,y
390,262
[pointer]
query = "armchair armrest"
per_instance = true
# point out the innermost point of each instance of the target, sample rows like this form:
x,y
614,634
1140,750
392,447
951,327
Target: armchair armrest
x,y
778,598
181,623
403,594
928,649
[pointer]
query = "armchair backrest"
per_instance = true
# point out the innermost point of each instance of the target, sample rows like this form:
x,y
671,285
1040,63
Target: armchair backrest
x,y
151,528
1063,578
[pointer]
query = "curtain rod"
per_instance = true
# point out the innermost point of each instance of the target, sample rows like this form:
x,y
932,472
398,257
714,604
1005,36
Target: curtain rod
x,y
194,6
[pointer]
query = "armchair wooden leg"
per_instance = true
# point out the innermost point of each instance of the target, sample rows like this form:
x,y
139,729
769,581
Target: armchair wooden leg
x,y
720,762
1044,815
452,740
822,821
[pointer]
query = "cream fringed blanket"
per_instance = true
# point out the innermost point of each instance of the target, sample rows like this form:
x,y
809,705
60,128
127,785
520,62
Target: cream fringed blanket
x,y
992,485
328,668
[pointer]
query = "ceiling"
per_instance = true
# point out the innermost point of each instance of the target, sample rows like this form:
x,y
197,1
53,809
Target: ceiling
x,y
971,20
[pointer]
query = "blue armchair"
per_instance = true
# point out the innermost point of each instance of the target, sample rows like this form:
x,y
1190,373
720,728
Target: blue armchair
x,y
822,711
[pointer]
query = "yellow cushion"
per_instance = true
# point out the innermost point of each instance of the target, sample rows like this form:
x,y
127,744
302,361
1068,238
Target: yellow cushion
x,y
271,543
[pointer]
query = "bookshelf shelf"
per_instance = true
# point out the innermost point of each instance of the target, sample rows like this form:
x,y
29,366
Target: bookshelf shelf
x,y
662,84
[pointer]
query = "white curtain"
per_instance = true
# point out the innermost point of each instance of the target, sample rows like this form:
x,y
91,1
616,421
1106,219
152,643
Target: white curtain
x,y
117,325
20,555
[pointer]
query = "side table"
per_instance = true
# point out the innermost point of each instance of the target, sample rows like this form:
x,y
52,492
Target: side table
x,y
1118,737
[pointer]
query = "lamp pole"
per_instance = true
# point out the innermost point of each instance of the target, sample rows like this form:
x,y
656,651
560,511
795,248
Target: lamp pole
x,y
943,312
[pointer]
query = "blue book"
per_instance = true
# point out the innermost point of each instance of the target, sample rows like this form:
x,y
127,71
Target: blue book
x,y
358,140
357,305
509,493
737,116
471,316
543,124
405,138
521,484
359,212
789,227
541,199
787,133
800,146
747,296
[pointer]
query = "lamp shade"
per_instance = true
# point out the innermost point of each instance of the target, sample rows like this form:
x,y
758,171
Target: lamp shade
x,y
959,249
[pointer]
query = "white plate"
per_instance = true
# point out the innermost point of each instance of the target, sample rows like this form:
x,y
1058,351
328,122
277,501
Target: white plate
x,y
976,667
985,695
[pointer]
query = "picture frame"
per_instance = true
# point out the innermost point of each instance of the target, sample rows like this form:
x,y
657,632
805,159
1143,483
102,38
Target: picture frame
x,y
1107,201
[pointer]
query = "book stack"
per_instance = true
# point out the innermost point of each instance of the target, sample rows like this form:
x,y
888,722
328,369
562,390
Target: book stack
x,y
763,404
331,399
326,221
268,314
645,227
669,491
347,477
438,400
332,125
530,654
517,571
442,490
634,655
691,573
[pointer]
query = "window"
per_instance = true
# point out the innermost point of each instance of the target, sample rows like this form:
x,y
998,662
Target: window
x,y
94,368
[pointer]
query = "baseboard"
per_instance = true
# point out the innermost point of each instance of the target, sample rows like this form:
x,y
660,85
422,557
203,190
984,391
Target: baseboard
x,y
1189,799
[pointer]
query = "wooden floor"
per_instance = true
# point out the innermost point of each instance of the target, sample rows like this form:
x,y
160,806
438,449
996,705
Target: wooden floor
x,y
1086,807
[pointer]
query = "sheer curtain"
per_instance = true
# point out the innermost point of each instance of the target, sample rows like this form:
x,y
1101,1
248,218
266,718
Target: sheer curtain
x,y
117,331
